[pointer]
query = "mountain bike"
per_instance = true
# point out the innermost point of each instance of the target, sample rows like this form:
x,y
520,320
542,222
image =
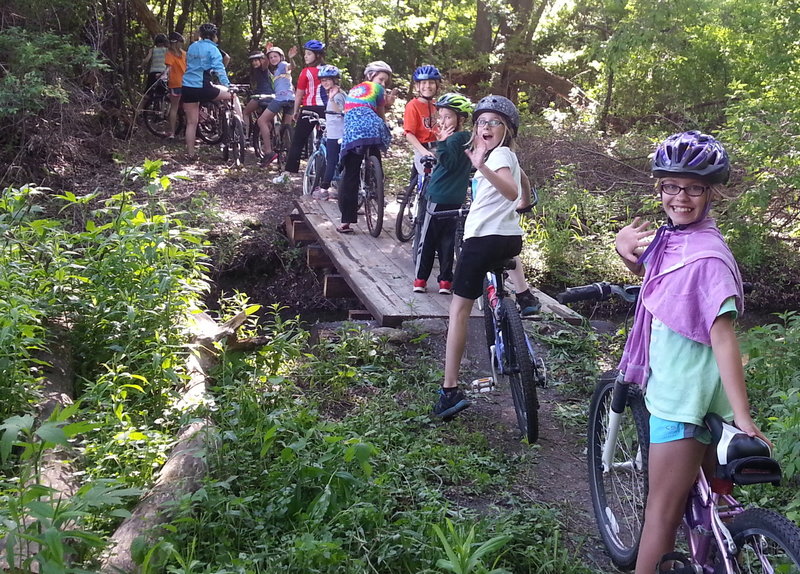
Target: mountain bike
x,y
233,140
721,536
511,353
412,208
281,133
156,116
317,161
370,190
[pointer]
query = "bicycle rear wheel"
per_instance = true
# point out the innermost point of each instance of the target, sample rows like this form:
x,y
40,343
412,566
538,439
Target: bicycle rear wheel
x,y
618,492
518,367
156,116
315,168
372,177
404,225
208,124
765,542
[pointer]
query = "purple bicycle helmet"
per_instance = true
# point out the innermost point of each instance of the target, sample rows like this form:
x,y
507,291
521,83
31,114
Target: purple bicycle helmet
x,y
427,72
314,46
501,106
692,154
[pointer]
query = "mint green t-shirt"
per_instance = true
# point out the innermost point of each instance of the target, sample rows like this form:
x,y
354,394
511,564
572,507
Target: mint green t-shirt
x,y
684,383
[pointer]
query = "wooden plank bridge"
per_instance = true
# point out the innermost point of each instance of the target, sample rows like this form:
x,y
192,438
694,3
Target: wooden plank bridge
x,y
376,270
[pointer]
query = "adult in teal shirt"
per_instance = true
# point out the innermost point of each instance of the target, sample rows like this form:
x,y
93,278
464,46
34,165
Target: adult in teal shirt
x,y
202,58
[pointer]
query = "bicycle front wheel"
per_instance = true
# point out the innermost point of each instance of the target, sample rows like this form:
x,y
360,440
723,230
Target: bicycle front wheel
x,y
315,166
518,366
373,190
156,116
238,141
404,225
618,487
255,136
765,542
281,144
208,124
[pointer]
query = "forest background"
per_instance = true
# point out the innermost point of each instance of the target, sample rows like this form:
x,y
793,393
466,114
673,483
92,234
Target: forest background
x,y
597,82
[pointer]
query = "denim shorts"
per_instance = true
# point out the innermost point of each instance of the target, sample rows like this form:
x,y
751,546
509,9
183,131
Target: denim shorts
x,y
662,430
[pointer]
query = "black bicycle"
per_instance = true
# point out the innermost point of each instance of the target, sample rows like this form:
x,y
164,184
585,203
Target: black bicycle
x,y
156,116
233,140
370,190
413,204
281,133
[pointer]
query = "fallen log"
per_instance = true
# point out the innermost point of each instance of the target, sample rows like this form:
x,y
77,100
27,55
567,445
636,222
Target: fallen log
x,y
186,465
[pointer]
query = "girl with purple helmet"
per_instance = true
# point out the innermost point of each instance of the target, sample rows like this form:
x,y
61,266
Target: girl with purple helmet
x,y
682,348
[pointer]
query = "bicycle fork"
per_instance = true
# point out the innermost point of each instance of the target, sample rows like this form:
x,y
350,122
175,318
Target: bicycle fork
x,y
619,398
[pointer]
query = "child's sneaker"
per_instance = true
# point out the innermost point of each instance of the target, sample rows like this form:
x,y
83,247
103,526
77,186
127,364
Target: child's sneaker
x,y
319,193
420,285
450,403
445,288
333,195
528,303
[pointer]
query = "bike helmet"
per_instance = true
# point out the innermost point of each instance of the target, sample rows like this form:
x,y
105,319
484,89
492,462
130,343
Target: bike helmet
x,y
174,38
207,31
456,102
499,105
692,154
256,56
160,39
376,67
314,46
277,51
328,71
427,72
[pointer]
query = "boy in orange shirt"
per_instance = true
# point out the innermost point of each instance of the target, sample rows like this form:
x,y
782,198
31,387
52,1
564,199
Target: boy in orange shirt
x,y
419,118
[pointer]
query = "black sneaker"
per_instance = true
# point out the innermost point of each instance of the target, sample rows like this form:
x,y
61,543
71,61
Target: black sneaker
x,y
450,403
528,303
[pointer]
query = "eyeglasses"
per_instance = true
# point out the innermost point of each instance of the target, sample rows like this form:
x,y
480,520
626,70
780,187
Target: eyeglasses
x,y
691,190
491,123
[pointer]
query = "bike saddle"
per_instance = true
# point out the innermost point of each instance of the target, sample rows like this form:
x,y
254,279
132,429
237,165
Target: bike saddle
x,y
742,458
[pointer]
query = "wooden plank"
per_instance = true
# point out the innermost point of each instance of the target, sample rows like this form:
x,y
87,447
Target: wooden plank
x,y
379,270
297,229
359,315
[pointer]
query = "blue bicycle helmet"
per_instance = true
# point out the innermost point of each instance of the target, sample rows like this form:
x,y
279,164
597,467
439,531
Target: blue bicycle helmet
x,y
692,154
328,71
314,46
427,72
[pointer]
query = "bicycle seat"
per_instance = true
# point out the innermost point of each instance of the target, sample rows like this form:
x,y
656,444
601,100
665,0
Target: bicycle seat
x,y
742,459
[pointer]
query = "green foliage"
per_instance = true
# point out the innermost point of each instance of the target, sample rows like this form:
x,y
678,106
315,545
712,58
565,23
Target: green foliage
x,y
36,67
773,383
464,556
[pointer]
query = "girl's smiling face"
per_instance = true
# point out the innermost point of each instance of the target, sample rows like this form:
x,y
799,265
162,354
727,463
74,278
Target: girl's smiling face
x,y
274,58
427,88
491,128
683,208
327,83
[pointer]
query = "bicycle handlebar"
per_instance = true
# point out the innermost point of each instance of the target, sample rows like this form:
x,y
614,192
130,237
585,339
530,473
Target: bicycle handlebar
x,y
600,291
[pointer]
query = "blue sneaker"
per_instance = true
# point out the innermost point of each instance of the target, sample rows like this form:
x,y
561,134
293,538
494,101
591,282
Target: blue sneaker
x,y
528,303
450,403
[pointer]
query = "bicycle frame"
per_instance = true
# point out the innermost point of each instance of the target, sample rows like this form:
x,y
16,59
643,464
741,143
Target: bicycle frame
x,y
706,510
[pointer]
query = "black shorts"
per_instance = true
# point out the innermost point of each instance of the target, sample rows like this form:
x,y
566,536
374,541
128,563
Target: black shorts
x,y
207,93
480,255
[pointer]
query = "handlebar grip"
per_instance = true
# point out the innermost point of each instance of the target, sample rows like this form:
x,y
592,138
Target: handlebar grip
x,y
595,291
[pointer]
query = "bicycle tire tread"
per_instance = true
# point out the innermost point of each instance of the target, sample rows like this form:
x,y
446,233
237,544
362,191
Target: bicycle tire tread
x,y
521,379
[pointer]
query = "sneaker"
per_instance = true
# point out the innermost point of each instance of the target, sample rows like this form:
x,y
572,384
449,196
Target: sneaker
x,y
451,402
319,193
333,195
528,303
420,285
268,159
445,288
282,178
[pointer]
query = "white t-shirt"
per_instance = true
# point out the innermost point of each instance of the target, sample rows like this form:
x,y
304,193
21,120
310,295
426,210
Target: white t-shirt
x,y
490,212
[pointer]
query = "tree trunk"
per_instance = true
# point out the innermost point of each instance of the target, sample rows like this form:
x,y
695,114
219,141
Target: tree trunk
x,y
535,74
147,17
482,33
